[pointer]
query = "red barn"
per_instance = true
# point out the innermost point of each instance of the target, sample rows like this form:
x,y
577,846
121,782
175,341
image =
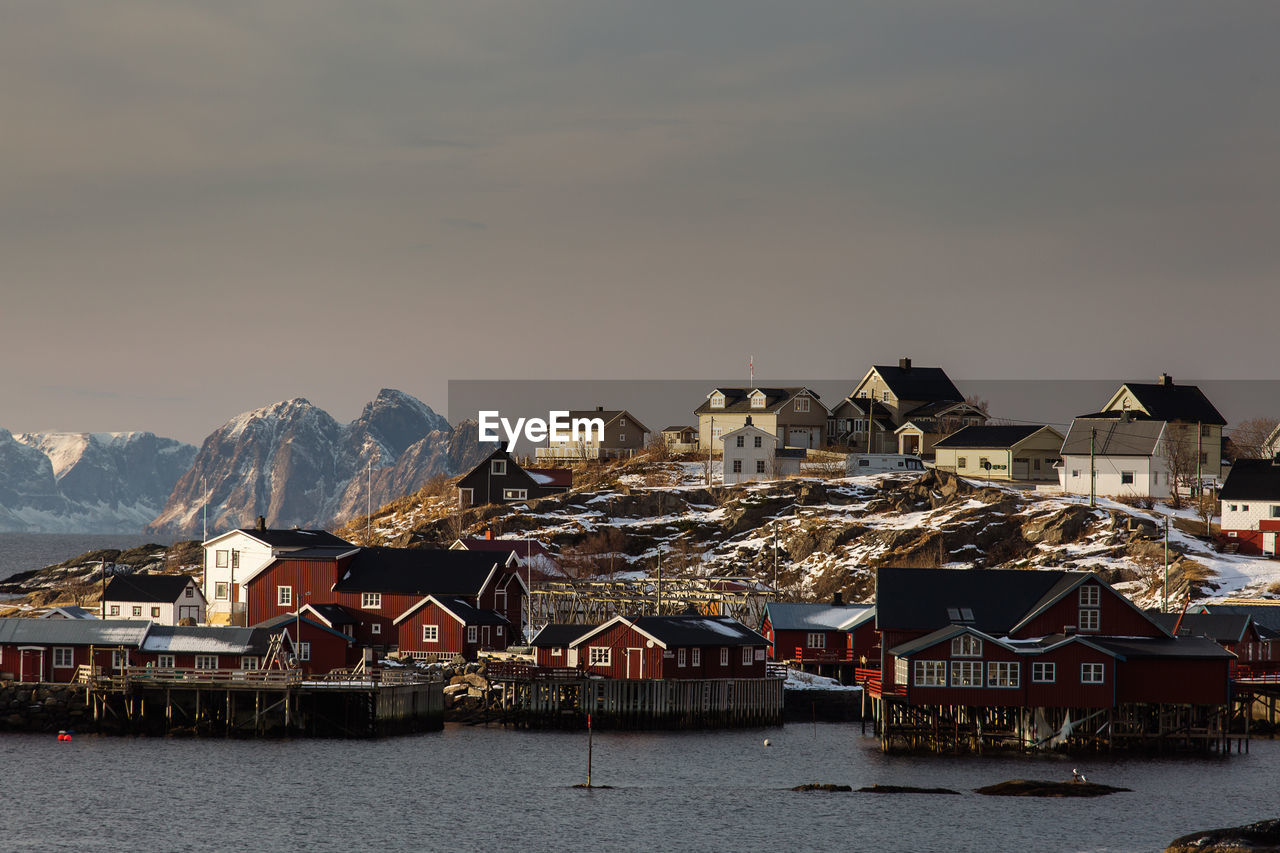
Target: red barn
x,y
688,646
445,626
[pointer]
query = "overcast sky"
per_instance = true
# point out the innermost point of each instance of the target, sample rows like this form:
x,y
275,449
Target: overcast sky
x,y
207,207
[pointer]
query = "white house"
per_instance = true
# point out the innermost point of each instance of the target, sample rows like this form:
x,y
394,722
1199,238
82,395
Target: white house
x,y
232,558
1251,506
163,599
1128,458
751,453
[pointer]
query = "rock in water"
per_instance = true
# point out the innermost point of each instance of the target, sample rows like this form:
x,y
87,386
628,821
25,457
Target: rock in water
x,y
1261,837
1033,788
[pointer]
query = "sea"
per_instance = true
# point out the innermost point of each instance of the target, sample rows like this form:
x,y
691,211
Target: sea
x,y
494,789
20,552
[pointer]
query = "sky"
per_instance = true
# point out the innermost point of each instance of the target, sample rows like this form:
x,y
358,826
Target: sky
x,y
209,207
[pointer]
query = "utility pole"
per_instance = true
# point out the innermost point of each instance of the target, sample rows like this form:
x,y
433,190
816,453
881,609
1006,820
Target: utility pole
x,y
871,419
775,558
1166,563
1093,435
711,443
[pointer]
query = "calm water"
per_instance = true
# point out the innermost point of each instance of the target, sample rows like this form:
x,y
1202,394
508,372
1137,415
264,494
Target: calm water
x,y
490,789
22,551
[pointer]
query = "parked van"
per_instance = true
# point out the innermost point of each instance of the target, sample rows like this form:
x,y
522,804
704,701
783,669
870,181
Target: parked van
x,y
881,463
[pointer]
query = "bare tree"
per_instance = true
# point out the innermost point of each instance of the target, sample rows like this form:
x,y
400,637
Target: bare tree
x,y
1183,461
1249,439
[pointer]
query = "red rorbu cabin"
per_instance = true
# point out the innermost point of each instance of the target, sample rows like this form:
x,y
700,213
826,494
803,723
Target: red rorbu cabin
x,y
443,627
663,647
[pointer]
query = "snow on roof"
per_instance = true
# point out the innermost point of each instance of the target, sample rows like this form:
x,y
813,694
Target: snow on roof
x,y
540,478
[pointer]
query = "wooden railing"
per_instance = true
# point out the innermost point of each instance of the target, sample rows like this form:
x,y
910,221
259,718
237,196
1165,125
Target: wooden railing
x,y
807,655
510,670
189,675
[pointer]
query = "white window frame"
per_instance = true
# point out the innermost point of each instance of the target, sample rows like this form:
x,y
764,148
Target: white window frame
x,y
155,612
622,436
284,596
724,656
717,401
802,404
375,628
64,657
304,650
206,662
884,396
137,610
682,657
235,559
930,673
1089,619
167,661
901,669
119,658
966,646
515,494
371,600
599,656
815,640
430,633
498,467
1093,673
473,634
1004,674
746,656
695,657
1090,595
1126,478
1044,672
557,651
758,400
250,662
966,673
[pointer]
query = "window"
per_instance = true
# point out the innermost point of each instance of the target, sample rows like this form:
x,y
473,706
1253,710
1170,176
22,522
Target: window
x,y
430,633
371,600
746,656
375,628
235,559
1075,473
1231,507
759,442
860,425
724,657
900,670
1044,673
737,466
757,400
966,646
284,596
984,463
1244,507
742,441
249,662
155,613
931,673
1090,595
682,657
220,590
63,657
1092,673
1036,464
220,559
1126,478
622,436
1204,430
206,661
1001,674
498,630
966,673
802,404
695,657
884,396
515,494
622,422
166,661
304,651
962,462
863,393
115,610
1088,619
189,592
137,610
1204,458
498,467
557,652
816,640
471,633
759,466
1275,511
717,401
601,655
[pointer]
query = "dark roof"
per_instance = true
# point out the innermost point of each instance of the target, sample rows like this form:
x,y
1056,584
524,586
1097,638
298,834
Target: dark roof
x,y
294,538
1170,402
160,588
738,400
318,553
556,635
1263,615
790,453
919,383
468,614
935,408
607,415
1162,647
1252,479
287,620
989,436
69,611
990,600
521,547
696,630
1219,627
204,640
677,428
334,614
417,571
1111,437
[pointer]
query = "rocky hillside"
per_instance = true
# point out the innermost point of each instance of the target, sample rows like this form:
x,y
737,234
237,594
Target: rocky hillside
x,y
86,482
79,579
294,464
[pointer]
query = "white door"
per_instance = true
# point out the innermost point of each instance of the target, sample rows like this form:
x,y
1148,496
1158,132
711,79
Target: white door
x,y
1269,542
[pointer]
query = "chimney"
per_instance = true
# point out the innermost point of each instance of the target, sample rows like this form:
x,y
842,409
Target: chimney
x,y
261,526
599,408
748,420
837,599
1165,379
904,364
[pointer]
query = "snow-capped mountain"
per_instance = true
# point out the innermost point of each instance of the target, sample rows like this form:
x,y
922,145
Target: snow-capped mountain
x,y
294,464
86,482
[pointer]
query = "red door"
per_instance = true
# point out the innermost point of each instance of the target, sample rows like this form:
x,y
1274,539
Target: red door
x,y
31,665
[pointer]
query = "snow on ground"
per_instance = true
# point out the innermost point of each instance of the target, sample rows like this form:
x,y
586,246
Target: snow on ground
x,y
799,680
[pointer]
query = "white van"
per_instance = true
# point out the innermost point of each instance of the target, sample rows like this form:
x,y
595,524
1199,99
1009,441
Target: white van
x,y
881,463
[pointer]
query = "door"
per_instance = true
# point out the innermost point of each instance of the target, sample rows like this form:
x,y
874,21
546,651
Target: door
x,y
1269,542
31,665
1021,469
484,636
635,663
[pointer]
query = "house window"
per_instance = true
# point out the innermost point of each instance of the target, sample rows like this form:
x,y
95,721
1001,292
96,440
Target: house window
x,y
235,559
1126,478
155,613
759,441
304,651
860,425
1089,619
1244,507
717,401
931,673
742,441
1036,464
498,631
63,657
166,661
863,393
466,497
471,633
375,627
137,610
249,662
759,466
716,432
695,657
498,467
284,596
557,652
206,661
515,494
1204,458
1092,673
1231,507
962,462
1075,473
115,610
681,657
601,655
1275,511
816,640
221,590
622,422
119,658
757,401
189,592
724,657
984,463
737,466
371,600
220,559
966,673
884,396
802,404
1090,596
900,670
746,655
430,633
1001,674
1044,673
966,646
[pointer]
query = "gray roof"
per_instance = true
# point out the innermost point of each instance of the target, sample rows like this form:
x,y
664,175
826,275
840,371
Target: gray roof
x,y
607,415
295,538
1162,647
18,630
1112,437
1263,615
204,640
785,616
991,436
991,600
1220,627
70,611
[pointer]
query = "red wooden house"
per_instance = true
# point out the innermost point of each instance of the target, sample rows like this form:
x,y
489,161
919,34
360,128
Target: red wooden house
x,y
815,632
320,648
690,646
1251,643
553,645
442,627
201,647
51,650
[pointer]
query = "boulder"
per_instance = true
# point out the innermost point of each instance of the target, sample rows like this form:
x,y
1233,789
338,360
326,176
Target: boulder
x,y
1261,837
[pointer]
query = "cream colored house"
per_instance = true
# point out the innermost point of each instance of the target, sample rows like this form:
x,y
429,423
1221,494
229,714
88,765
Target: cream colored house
x,y
890,397
1193,422
795,416
1026,453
